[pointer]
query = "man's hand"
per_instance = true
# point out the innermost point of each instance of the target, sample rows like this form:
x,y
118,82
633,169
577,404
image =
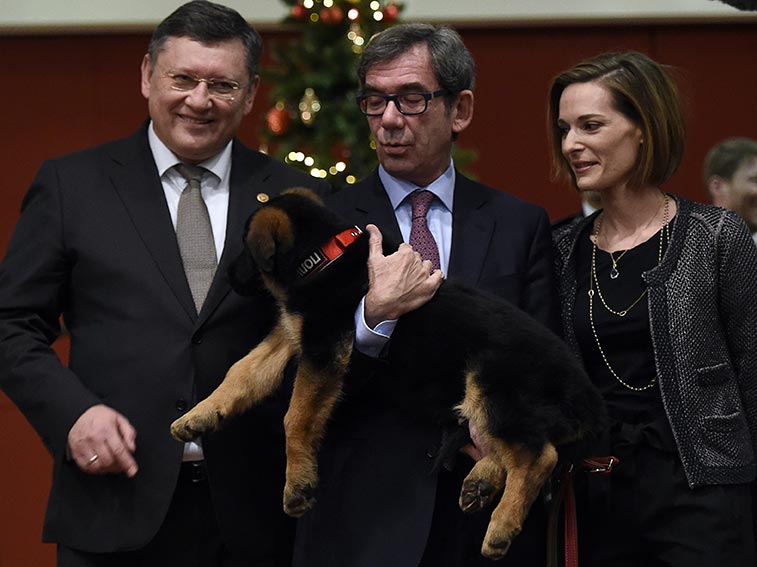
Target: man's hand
x,y
103,441
398,283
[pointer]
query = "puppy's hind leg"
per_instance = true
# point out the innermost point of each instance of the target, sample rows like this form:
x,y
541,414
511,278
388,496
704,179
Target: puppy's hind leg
x,y
247,382
482,484
488,475
316,391
526,474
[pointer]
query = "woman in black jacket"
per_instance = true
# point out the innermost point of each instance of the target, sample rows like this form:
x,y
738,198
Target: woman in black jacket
x,y
659,298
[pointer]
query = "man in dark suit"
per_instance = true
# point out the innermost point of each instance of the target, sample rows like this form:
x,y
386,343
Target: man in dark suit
x,y
380,502
97,243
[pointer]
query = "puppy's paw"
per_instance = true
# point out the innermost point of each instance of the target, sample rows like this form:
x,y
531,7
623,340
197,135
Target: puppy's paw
x,y
297,501
476,494
495,549
498,538
195,423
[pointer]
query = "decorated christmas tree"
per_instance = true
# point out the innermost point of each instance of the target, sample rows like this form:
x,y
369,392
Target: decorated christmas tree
x,y
314,122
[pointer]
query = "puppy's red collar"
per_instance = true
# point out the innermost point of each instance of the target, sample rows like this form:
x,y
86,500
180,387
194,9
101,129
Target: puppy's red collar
x,y
321,257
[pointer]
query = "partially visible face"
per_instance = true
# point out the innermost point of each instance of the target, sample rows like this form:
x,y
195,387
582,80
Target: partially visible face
x,y
600,143
740,193
194,125
415,148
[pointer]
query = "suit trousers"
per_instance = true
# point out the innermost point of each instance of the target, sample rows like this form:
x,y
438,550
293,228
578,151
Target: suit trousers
x,y
188,537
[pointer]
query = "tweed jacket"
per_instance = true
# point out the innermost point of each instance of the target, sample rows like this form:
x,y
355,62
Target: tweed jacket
x,y
702,303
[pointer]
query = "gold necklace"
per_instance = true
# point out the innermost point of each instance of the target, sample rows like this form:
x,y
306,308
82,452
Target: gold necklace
x,y
594,280
614,273
664,232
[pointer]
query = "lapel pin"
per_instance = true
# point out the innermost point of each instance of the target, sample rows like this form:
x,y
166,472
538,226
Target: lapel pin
x,y
263,197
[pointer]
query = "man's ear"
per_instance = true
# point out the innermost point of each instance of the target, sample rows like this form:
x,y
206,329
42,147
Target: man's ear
x,y
719,191
249,96
462,112
146,70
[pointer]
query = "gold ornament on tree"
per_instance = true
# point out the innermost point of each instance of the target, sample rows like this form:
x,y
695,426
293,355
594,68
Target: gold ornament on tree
x,y
309,106
355,35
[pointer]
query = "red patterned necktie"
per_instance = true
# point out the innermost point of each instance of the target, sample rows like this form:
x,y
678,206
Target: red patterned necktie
x,y
421,238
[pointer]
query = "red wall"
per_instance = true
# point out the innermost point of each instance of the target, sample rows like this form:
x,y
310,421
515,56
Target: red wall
x,y
62,93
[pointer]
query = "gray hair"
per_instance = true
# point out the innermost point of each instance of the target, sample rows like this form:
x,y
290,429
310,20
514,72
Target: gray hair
x,y
451,61
207,22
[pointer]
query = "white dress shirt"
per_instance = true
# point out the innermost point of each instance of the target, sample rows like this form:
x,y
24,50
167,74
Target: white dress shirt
x,y
214,186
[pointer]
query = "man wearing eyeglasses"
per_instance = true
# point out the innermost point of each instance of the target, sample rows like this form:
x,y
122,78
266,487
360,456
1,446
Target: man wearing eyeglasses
x,y
380,501
130,242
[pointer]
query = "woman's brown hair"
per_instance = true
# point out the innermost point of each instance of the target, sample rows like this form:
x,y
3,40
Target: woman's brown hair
x,y
642,90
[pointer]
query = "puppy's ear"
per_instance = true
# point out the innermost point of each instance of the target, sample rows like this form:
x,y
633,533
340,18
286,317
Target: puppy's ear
x,y
244,275
270,233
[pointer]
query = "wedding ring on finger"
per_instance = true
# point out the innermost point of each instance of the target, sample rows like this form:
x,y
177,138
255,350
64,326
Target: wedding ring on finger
x,y
92,460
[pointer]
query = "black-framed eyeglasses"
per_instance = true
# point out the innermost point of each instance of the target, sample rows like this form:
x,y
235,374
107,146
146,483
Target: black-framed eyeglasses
x,y
224,89
409,104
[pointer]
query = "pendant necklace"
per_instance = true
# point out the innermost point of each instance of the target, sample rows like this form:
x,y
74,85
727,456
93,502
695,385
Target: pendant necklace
x,y
614,273
594,282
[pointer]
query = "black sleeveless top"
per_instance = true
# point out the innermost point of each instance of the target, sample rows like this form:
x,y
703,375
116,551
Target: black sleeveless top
x,y
626,341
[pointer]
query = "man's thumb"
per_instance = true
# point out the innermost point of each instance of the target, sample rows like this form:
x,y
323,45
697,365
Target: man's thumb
x,y
375,240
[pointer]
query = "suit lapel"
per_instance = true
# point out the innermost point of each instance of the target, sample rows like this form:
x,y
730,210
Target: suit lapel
x,y
472,230
136,180
376,208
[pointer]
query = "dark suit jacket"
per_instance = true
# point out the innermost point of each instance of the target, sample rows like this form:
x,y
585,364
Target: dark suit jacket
x,y
95,243
377,493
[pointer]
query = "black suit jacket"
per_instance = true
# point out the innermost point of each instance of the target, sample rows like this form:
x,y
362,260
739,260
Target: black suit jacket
x,y
377,493
95,243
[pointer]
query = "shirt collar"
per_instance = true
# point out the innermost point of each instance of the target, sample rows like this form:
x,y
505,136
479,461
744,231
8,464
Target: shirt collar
x,y
165,159
587,209
398,189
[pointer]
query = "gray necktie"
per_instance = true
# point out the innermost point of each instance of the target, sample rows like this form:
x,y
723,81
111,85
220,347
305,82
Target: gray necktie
x,y
195,235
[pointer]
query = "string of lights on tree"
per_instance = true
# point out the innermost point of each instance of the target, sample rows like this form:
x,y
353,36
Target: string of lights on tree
x,y
314,123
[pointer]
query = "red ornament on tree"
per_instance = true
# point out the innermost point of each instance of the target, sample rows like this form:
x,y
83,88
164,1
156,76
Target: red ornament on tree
x,y
299,12
278,119
337,15
331,16
391,13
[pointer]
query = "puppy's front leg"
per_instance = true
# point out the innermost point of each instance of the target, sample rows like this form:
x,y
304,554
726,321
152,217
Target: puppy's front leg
x,y
246,383
317,389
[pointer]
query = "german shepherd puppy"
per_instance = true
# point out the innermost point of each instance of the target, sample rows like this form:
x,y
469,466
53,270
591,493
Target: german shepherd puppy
x,y
490,364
